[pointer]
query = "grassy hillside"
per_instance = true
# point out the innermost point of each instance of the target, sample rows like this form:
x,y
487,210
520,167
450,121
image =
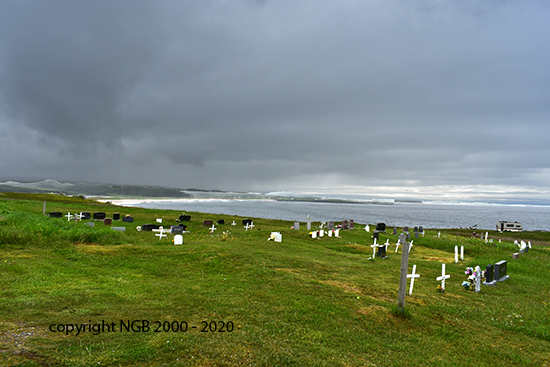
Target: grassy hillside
x,y
244,300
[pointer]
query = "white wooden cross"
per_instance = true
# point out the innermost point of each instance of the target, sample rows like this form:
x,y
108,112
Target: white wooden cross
x,y
160,233
387,244
477,281
251,225
397,245
213,228
233,224
410,246
246,227
80,216
69,216
456,254
412,276
462,253
443,277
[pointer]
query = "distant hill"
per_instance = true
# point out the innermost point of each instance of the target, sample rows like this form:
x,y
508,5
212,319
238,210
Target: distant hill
x,y
86,189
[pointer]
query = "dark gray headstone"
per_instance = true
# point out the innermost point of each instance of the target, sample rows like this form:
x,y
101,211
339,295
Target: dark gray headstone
x,y
344,224
380,227
415,229
55,214
99,215
394,230
405,229
116,216
221,221
128,219
415,234
421,229
376,235
247,221
501,269
330,224
176,230
381,251
184,218
408,236
86,215
149,227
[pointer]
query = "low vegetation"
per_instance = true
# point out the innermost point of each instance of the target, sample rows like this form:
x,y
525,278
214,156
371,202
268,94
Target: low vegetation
x,y
244,300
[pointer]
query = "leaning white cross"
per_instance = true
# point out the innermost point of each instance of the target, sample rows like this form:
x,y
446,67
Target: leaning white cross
x,y
160,233
212,229
412,276
246,227
443,277
397,245
80,216
410,246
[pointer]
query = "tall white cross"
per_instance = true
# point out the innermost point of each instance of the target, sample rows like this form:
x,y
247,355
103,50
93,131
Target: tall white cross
x,y
443,277
456,254
462,253
374,246
387,244
69,216
213,228
412,276
410,246
251,225
397,245
477,281
246,227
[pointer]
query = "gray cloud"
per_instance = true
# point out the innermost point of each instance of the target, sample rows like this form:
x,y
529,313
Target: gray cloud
x,y
277,95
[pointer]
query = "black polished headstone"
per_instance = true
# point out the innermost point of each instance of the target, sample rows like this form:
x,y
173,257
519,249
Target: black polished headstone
x,y
376,235
86,215
116,216
99,215
184,218
489,273
381,251
421,229
149,227
247,221
221,221
380,227
128,219
415,229
501,269
55,214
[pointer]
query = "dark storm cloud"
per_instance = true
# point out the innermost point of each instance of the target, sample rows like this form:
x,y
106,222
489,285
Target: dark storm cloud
x,y
278,95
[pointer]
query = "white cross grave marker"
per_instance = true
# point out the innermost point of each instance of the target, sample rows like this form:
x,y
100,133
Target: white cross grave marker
x,y
410,246
212,229
462,253
456,254
412,276
397,245
387,244
246,227
478,279
251,225
160,233
233,224
374,247
443,277
69,216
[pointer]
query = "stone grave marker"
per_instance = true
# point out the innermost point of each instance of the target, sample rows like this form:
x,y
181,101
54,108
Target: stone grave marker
x,y
90,224
381,253
120,229
330,224
159,220
247,221
128,219
321,232
394,230
456,254
177,229
184,218
462,253
501,269
375,235
351,224
107,221
344,224
443,277
489,276
86,215
329,232
221,221
337,232
309,223
515,256
178,239
207,223
99,216
116,216
367,228
380,227
296,226
149,227
406,229
314,234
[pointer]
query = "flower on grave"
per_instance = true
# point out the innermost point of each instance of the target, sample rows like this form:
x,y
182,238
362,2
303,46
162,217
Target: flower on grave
x,y
469,271
466,284
440,288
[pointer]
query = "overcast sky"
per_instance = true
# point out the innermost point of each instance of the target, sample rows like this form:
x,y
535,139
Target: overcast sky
x,y
432,99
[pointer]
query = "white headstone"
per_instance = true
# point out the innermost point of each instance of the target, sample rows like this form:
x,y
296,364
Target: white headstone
x,y
412,276
367,228
297,226
438,234
178,239
321,232
329,232
443,277
278,237
337,232
159,220
314,234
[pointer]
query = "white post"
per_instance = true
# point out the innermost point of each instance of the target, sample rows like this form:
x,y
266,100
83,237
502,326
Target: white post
x,y
478,279
456,254
308,223
462,253
374,246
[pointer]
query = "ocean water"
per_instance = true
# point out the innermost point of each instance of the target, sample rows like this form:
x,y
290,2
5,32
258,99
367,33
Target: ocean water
x,y
428,215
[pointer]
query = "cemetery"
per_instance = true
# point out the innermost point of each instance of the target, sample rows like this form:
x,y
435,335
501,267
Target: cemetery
x,y
304,292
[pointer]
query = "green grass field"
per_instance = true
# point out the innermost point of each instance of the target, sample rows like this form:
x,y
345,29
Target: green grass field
x,y
243,300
